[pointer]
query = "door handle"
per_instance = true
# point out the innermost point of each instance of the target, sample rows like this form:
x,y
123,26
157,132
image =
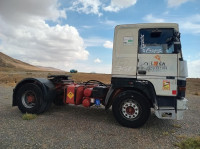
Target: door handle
x,y
142,72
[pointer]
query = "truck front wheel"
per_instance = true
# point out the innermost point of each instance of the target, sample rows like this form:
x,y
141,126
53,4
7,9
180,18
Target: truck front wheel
x,y
30,99
131,109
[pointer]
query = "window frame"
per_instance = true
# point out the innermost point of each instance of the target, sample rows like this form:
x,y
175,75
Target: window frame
x,y
157,44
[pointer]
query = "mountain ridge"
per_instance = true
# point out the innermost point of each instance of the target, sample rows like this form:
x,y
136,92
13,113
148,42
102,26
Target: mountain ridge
x,y
9,63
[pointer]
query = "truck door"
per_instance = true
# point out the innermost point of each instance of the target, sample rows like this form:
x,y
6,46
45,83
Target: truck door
x,y
157,61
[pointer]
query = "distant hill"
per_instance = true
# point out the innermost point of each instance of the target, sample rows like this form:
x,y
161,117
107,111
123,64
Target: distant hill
x,y
9,63
48,68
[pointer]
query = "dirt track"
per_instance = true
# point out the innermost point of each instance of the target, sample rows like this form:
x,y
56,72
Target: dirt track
x,y
78,127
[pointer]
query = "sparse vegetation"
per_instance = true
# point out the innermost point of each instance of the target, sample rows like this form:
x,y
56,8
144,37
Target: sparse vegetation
x,y
165,133
172,131
197,93
176,126
28,116
181,136
29,73
189,143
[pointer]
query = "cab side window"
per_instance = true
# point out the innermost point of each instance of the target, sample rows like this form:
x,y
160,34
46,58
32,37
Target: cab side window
x,y
156,41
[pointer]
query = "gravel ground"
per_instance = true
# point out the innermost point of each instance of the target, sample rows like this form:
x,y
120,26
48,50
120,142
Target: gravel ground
x,y
78,127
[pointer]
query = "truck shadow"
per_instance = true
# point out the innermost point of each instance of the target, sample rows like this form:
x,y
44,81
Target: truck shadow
x,y
99,115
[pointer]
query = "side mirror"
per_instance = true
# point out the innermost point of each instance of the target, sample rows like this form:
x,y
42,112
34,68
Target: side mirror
x,y
177,47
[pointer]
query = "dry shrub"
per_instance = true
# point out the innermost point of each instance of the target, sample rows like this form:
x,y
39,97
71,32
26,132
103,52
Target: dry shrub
x,y
189,143
176,126
28,116
197,93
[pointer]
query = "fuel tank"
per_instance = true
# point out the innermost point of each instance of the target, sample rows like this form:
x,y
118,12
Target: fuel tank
x,y
74,94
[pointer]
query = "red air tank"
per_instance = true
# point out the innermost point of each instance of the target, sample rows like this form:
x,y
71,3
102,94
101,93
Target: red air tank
x,y
86,102
88,92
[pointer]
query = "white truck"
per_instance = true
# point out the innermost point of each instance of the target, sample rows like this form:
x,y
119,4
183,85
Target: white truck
x,y
148,71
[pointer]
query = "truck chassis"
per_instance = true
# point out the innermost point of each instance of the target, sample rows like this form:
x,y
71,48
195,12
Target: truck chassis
x,y
131,108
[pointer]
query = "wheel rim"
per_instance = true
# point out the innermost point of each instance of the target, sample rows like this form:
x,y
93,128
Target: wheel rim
x,y
130,109
29,99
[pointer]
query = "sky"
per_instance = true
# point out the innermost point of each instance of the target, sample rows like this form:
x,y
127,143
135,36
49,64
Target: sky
x,y
78,34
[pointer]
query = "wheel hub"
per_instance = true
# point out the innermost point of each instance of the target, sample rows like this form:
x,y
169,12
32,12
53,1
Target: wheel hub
x,y
29,99
130,109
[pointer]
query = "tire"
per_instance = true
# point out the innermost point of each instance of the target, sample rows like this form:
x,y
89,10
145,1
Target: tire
x,y
30,99
131,109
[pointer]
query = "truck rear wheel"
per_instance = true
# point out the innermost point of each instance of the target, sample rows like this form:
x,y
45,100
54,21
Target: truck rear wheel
x,y
30,99
131,109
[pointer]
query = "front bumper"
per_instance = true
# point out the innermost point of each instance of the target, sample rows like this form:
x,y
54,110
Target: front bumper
x,y
181,107
170,112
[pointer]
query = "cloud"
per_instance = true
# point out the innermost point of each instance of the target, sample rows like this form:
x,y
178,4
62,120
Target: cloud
x,y
93,67
87,6
87,27
25,35
176,3
190,27
190,24
193,70
22,11
108,44
97,60
117,5
96,6
110,23
151,18
94,41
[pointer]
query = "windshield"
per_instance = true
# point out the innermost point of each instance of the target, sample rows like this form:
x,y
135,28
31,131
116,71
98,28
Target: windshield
x,y
156,41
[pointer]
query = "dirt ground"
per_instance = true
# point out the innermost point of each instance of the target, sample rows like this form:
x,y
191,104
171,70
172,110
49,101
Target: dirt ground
x,y
77,127
12,77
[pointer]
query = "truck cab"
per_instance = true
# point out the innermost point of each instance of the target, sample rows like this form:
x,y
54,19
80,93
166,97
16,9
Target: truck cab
x,y
147,58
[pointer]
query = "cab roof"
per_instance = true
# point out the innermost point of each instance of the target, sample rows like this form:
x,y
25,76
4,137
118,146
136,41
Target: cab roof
x,y
149,25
